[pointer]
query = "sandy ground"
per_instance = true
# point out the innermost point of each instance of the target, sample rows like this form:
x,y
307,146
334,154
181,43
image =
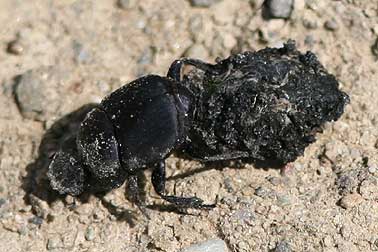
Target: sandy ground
x,y
56,56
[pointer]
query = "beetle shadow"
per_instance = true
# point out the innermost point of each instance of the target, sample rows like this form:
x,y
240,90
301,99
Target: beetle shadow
x,y
36,184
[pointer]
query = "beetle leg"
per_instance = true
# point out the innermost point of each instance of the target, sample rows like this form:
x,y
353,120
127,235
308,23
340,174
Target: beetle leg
x,y
158,181
175,70
133,192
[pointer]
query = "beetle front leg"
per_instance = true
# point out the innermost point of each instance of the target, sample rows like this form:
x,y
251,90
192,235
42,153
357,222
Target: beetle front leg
x,y
158,181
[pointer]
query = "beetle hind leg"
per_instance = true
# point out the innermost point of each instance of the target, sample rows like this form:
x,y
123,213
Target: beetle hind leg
x,y
158,181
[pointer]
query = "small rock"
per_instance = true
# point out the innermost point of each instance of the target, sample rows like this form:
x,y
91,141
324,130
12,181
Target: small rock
x,y
283,200
262,192
53,243
282,246
347,183
372,169
331,25
195,25
36,220
369,189
374,48
89,234
278,8
243,246
147,56
22,230
203,3
375,29
310,23
70,200
208,246
350,200
37,92
81,55
309,40
126,4
197,51
2,202
15,47
229,41
40,207
228,185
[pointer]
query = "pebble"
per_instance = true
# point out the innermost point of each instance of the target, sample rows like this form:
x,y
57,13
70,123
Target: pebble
x,y
310,24
283,200
331,25
36,220
228,185
350,200
195,25
262,192
346,183
81,55
53,243
229,41
309,40
208,246
37,93
69,200
2,202
282,246
369,189
15,47
279,8
372,169
203,3
126,4
198,51
40,207
374,48
147,56
90,234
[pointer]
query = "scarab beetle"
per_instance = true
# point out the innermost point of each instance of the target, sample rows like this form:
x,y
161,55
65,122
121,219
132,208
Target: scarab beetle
x,y
262,106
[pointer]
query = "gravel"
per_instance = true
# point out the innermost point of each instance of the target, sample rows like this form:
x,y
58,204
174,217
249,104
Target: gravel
x,y
282,246
90,234
203,3
15,47
350,200
208,246
331,25
126,4
81,54
197,51
279,8
374,48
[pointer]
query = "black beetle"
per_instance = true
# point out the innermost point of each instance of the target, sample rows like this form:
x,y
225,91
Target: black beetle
x,y
256,106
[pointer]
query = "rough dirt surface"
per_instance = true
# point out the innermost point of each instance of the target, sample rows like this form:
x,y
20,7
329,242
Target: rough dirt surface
x,y
57,56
